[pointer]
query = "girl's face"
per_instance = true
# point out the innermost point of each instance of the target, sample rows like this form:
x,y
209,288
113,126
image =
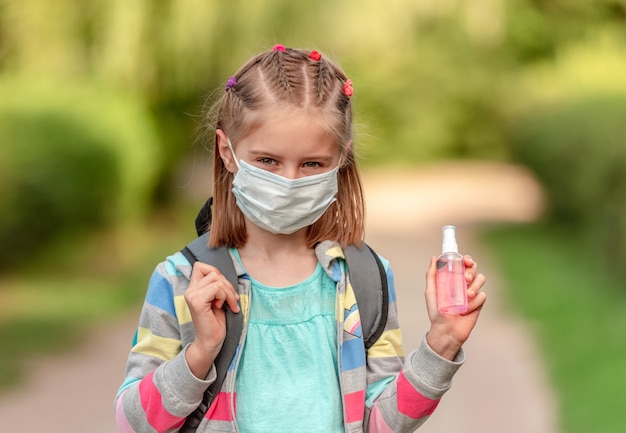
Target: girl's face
x,y
291,145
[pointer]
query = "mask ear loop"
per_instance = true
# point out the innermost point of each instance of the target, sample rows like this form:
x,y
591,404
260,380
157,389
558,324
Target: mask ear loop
x,y
230,146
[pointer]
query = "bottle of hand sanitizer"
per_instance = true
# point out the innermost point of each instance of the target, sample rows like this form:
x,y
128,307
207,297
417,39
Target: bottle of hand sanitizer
x,y
451,283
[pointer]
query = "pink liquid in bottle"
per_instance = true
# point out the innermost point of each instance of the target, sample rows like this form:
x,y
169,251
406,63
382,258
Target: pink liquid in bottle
x,y
451,283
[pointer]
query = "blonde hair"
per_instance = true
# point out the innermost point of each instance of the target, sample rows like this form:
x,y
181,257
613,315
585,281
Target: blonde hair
x,y
302,80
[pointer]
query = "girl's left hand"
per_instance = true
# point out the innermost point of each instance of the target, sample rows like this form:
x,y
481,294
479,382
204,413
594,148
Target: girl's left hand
x,y
448,332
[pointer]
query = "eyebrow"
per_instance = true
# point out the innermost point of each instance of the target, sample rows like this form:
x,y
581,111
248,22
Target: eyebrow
x,y
325,157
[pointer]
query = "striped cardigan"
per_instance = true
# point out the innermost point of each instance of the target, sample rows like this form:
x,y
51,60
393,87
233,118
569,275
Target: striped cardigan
x,y
381,391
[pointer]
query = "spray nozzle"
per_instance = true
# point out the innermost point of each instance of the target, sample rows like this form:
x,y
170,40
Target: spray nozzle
x,y
449,244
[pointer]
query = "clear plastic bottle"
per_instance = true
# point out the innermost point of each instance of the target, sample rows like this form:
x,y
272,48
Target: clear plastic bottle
x,y
451,283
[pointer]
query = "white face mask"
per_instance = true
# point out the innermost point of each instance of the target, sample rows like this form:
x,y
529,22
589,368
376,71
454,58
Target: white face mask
x,y
278,204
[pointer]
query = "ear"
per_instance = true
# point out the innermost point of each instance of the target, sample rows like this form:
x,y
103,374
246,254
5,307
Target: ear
x,y
221,144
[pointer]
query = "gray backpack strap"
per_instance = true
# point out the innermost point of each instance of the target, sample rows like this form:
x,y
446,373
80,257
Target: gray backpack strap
x,y
218,257
369,282
198,250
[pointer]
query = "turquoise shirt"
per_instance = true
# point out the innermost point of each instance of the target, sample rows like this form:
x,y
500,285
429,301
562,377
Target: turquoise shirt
x,y
287,379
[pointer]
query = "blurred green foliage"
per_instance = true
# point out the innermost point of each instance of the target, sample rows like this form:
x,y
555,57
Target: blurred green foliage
x,y
433,79
55,176
578,151
74,158
100,101
576,310
569,129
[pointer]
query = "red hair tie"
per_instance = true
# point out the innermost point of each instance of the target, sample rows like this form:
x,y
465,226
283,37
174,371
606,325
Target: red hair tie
x,y
348,90
279,47
315,55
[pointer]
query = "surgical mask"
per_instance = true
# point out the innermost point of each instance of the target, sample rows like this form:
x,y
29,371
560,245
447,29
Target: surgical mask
x,y
278,204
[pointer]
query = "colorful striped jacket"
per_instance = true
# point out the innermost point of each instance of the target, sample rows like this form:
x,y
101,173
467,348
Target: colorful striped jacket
x,y
381,391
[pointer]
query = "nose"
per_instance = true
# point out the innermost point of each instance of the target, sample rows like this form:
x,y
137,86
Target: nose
x,y
291,172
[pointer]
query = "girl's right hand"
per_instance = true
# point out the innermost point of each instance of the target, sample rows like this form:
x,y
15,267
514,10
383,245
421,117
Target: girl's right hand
x,y
206,295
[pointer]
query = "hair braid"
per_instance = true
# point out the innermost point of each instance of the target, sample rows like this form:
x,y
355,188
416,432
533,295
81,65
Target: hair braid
x,y
274,73
325,83
277,82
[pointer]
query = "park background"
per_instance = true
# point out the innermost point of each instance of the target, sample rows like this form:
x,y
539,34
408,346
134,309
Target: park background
x,y
100,127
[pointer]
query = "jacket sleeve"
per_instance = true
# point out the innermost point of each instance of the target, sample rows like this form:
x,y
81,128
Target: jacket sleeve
x,y
159,391
403,393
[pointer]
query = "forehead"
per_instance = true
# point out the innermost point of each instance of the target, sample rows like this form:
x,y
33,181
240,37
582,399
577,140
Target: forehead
x,y
291,131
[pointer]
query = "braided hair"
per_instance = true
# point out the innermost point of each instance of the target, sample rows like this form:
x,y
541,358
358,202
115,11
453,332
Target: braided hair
x,y
293,79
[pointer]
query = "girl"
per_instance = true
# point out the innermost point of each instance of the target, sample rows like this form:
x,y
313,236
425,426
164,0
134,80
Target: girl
x,y
288,197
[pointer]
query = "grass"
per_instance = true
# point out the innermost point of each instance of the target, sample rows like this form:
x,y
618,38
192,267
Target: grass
x,y
50,303
577,307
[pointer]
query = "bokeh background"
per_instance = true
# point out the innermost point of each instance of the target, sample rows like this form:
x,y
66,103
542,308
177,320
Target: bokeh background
x,y
102,162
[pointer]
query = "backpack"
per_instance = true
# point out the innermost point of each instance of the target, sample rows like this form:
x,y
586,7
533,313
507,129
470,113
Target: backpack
x,y
367,276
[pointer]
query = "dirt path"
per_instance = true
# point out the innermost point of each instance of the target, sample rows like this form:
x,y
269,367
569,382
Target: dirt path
x,y
501,388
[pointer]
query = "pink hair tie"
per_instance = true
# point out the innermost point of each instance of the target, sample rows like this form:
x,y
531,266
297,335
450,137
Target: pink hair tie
x,y
348,90
315,55
232,81
279,47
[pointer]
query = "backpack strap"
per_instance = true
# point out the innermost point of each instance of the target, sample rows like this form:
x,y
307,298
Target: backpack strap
x,y
198,250
204,217
369,282
367,277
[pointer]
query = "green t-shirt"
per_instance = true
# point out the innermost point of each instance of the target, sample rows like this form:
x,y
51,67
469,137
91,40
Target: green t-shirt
x,y
287,380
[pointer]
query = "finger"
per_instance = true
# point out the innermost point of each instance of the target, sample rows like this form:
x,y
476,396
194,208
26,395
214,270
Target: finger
x,y
232,303
471,267
431,285
209,291
476,285
201,270
431,273
477,303
469,262
225,294
205,275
